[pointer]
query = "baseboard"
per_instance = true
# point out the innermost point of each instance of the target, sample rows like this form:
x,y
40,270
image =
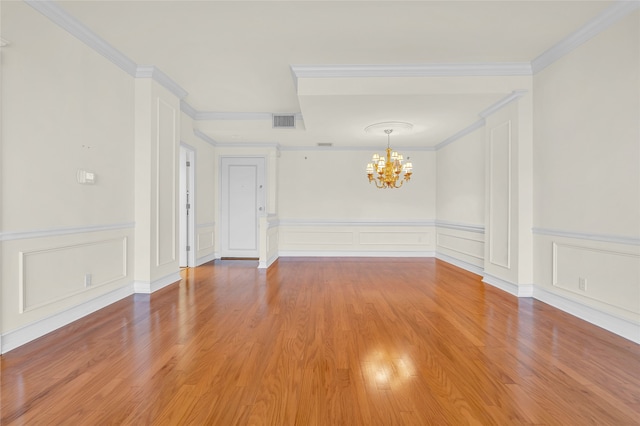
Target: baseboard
x,y
460,264
26,334
622,327
204,259
265,265
518,290
306,253
147,287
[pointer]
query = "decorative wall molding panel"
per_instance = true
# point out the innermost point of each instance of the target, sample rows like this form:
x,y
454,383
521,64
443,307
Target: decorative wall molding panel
x,y
500,178
55,232
472,247
304,238
600,274
57,273
22,335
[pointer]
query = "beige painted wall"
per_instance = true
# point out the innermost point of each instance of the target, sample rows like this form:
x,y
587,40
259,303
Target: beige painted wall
x,y
587,179
64,108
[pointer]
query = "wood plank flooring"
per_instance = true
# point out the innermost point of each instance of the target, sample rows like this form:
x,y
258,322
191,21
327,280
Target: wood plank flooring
x,y
331,341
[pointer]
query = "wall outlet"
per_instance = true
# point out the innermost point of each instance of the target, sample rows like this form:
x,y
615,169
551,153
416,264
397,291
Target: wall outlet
x,y
87,280
582,284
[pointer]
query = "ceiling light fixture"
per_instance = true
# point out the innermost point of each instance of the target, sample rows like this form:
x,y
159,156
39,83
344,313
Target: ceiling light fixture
x,y
388,168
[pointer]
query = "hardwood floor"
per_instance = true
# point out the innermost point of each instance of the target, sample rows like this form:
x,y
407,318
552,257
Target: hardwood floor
x,y
332,341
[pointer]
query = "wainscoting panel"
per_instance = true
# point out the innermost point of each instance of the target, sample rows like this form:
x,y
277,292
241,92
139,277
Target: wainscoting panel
x,y
596,280
462,243
56,273
299,237
609,276
356,238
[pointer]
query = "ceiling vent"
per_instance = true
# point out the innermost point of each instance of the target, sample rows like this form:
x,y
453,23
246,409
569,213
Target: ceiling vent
x,y
325,144
284,121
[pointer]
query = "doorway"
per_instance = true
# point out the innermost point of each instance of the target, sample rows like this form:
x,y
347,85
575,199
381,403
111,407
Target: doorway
x,y
242,200
186,207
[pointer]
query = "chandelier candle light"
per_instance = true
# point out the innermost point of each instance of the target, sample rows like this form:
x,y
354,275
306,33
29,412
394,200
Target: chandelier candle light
x,y
388,170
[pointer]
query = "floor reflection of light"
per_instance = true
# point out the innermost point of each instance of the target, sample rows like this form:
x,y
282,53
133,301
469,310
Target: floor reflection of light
x,y
389,369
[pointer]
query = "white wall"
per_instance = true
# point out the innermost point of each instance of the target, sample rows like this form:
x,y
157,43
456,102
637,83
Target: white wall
x,y
587,179
64,108
328,207
461,201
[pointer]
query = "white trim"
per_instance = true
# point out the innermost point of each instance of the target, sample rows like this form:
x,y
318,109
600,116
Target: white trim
x,y
460,226
413,70
323,222
204,137
147,287
249,145
518,290
25,334
492,109
150,71
333,253
188,109
460,263
209,115
77,29
608,17
621,326
618,239
204,259
54,232
264,265
353,148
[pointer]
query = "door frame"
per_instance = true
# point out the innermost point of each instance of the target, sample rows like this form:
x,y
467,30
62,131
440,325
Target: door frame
x,y
222,232
187,186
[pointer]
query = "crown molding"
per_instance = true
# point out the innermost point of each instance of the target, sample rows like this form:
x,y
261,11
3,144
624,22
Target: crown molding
x,y
204,137
355,148
608,17
249,145
209,115
188,109
469,129
413,70
254,116
150,71
513,96
74,27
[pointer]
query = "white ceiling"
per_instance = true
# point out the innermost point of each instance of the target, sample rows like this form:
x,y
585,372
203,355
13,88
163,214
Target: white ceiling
x,y
235,60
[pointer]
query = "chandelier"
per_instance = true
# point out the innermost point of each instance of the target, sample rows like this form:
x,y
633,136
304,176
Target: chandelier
x,y
385,171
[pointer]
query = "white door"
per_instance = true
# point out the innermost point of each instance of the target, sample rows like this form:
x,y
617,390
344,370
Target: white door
x,y
242,202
